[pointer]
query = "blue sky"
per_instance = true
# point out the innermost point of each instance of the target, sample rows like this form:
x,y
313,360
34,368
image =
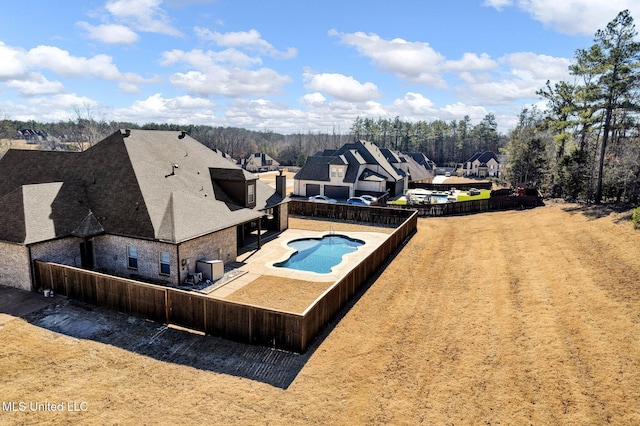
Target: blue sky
x,y
288,66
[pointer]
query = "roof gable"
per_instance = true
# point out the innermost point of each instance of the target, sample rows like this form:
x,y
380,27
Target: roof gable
x,y
144,184
315,168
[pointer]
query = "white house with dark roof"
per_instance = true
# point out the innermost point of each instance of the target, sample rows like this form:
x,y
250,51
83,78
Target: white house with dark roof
x,y
143,204
483,164
259,162
357,168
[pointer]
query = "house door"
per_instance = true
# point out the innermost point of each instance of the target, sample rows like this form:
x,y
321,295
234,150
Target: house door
x,y
312,189
391,189
86,254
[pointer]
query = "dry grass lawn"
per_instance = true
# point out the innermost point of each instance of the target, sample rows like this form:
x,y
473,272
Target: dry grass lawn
x,y
518,317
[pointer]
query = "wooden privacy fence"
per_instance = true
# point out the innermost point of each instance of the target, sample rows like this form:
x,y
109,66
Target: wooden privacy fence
x,y
347,212
334,298
474,206
231,320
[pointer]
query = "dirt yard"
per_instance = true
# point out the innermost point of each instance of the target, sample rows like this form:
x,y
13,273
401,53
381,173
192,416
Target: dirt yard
x,y
519,317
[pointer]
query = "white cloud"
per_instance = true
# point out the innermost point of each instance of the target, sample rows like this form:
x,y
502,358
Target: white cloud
x,y
251,40
223,73
231,82
313,99
203,60
179,110
143,15
522,74
18,70
129,88
341,86
583,17
415,107
36,85
415,104
11,65
539,67
498,4
61,62
109,33
317,116
416,62
471,62
63,101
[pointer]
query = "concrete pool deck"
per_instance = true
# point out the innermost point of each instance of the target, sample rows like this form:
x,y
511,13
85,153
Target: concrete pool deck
x,y
257,263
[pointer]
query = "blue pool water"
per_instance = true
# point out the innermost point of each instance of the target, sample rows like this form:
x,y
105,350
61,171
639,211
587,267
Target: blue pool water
x,y
319,254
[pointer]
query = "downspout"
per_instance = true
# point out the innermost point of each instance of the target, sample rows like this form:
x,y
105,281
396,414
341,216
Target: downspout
x,y
31,270
179,264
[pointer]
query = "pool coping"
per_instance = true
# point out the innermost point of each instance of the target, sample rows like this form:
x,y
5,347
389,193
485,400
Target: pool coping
x,y
260,262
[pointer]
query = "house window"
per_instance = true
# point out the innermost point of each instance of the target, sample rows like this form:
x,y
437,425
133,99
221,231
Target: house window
x,y
340,171
251,190
165,263
132,257
334,172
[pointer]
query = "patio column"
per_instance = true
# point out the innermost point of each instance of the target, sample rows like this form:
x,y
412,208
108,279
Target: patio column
x,y
259,233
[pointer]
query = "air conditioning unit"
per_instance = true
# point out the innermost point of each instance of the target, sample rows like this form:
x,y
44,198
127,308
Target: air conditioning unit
x,y
210,269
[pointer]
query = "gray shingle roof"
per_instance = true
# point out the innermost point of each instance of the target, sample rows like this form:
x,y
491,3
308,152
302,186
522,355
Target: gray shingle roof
x,y
354,154
129,182
315,168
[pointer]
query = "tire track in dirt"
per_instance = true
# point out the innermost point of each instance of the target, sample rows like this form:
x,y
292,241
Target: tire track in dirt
x,y
566,316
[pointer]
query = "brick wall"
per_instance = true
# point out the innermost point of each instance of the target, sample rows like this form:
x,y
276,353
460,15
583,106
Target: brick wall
x,y
111,257
14,266
221,245
65,251
284,216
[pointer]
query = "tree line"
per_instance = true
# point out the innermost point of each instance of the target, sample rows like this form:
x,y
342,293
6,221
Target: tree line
x,y
444,143
586,144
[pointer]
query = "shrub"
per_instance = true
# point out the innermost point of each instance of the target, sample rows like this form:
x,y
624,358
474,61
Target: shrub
x,y
635,218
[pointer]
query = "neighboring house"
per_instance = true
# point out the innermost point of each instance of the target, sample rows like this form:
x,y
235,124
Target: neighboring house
x,y
259,162
141,203
356,168
483,164
421,168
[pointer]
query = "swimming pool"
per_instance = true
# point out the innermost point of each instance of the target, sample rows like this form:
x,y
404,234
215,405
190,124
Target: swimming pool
x,y
319,254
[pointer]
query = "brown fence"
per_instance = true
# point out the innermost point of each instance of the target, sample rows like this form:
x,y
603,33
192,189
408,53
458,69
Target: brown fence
x,y
474,206
346,212
332,300
230,320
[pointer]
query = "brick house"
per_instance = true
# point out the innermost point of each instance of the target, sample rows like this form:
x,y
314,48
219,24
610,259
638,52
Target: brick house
x,y
141,203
